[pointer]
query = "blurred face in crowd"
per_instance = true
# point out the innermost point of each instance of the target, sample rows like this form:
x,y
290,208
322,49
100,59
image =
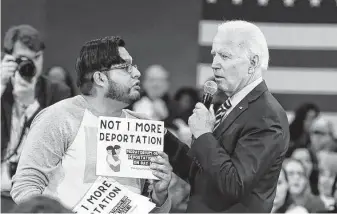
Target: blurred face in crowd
x,y
321,138
186,102
20,50
156,82
311,115
123,80
297,178
303,156
57,74
325,181
281,191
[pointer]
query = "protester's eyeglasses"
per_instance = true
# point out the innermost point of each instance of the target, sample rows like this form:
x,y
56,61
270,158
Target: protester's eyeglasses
x,y
318,132
127,67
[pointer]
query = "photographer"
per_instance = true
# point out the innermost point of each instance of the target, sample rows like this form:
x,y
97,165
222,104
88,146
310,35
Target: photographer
x,y
24,92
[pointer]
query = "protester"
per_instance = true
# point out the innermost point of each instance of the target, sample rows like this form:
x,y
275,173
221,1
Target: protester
x,y
24,92
59,156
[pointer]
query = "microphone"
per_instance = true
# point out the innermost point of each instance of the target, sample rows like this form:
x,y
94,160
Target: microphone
x,y
210,88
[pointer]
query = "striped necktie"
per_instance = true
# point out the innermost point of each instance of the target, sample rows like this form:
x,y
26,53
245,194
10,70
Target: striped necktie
x,y
221,112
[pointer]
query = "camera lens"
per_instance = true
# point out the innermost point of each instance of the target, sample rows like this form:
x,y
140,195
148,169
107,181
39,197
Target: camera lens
x,y
26,68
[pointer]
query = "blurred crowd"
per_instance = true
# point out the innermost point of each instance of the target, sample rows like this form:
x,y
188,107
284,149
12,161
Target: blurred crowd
x,y
307,182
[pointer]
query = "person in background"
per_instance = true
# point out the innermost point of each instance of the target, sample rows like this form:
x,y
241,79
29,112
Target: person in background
x,y
186,98
156,102
283,202
322,136
40,204
60,74
325,184
24,93
309,160
299,128
299,186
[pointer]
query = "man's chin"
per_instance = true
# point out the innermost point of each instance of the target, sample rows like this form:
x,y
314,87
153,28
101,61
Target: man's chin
x,y
134,95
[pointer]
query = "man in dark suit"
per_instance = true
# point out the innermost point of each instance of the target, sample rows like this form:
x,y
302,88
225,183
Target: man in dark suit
x,y
234,163
24,92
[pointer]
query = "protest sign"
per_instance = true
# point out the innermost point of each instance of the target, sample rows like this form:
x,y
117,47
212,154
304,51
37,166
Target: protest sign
x,y
125,146
106,196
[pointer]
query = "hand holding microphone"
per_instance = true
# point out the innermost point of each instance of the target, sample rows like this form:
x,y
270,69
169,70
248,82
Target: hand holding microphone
x,y
203,118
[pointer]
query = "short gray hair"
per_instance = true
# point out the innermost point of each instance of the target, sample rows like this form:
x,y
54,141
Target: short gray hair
x,y
251,39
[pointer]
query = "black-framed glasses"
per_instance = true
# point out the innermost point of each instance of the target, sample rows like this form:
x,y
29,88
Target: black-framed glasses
x,y
127,67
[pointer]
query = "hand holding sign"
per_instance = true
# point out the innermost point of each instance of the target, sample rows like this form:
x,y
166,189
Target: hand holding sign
x,y
162,169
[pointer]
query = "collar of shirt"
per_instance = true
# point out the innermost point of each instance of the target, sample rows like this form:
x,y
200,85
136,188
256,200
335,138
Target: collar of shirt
x,y
238,97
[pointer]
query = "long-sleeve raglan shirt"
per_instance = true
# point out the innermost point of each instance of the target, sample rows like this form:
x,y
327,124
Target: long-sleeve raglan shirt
x,y
59,155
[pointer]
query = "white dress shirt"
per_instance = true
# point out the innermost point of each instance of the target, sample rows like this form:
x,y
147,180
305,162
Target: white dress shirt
x,y
240,95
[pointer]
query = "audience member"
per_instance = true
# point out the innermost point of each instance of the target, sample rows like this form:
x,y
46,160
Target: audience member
x,y
325,185
299,186
186,99
283,202
40,204
24,92
299,128
322,136
60,74
309,160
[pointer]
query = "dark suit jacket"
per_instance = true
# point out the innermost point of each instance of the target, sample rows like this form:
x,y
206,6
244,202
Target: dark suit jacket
x,y
46,92
235,168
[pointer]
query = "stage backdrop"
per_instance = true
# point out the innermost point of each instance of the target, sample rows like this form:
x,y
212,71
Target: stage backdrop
x,y
302,42
156,31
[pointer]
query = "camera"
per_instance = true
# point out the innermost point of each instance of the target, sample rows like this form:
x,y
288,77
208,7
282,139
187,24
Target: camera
x,y
26,68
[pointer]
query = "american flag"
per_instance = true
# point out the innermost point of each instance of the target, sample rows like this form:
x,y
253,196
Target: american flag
x,y
302,40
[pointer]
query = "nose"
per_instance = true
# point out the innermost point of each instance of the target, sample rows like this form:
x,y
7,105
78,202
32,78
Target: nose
x,y
216,59
135,73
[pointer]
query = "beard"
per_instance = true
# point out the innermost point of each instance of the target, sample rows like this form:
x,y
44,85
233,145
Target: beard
x,y
121,93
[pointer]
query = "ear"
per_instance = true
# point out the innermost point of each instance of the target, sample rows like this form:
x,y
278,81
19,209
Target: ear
x,y
254,62
100,78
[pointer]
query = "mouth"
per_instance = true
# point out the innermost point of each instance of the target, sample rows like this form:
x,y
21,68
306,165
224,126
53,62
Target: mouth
x,y
136,85
217,77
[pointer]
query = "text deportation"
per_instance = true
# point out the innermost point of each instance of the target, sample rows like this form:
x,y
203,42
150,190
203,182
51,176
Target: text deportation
x,y
137,126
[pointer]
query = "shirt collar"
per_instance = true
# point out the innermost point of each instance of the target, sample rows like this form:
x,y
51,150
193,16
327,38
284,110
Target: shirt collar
x,y
237,97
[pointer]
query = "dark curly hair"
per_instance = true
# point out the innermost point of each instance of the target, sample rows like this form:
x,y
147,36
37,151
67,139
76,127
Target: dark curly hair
x,y
97,55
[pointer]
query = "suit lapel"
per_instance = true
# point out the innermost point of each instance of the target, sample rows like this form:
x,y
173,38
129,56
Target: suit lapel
x,y
231,117
240,108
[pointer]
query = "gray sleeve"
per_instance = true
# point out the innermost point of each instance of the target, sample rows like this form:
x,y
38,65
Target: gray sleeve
x,y
42,152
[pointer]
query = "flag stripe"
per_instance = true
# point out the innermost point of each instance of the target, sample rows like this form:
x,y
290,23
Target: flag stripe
x,y
289,80
288,58
283,35
290,102
275,11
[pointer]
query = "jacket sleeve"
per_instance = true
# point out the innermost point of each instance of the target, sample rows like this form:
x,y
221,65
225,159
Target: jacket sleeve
x,y
178,155
261,142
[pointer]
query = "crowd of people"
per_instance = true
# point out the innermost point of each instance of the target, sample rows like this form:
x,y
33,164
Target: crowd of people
x,y
307,181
